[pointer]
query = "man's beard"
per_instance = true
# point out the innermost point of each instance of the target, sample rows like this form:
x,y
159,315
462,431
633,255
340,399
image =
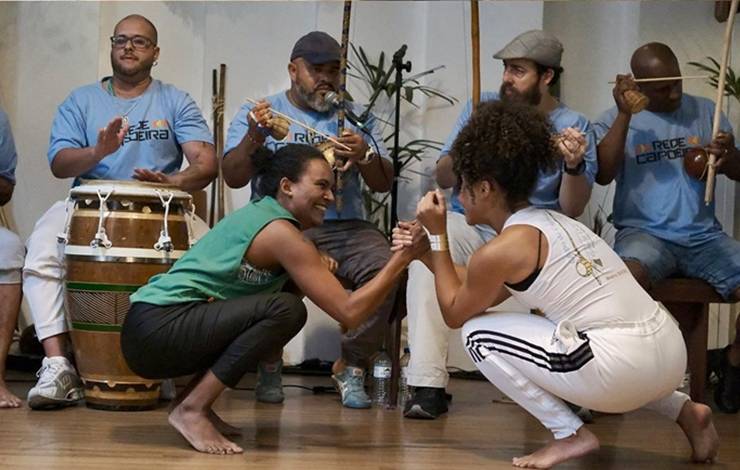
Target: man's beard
x,y
314,99
130,71
531,97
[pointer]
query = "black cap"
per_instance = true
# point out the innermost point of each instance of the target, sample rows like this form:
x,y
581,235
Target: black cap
x,y
317,48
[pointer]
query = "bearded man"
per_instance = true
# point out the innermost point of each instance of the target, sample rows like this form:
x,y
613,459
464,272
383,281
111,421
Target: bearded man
x,y
358,247
531,69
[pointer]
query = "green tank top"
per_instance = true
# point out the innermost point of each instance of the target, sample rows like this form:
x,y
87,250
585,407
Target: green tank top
x,y
215,265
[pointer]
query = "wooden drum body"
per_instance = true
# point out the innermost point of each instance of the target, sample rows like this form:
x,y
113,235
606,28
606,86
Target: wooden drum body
x,y
141,231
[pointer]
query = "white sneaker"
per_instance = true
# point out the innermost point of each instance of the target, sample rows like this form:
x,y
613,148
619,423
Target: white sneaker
x,y
58,385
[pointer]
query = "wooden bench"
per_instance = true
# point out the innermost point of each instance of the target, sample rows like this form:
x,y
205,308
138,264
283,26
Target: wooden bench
x,y
688,301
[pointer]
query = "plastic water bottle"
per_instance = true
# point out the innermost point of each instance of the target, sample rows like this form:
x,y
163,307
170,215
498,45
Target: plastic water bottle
x,y
403,386
381,379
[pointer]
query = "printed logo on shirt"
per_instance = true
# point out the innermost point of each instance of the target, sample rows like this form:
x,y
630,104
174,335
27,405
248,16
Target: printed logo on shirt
x,y
668,149
308,138
141,131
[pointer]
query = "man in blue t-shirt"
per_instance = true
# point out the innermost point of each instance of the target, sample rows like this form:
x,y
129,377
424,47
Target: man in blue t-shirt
x,y
359,248
531,68
11,260
663,225
128,126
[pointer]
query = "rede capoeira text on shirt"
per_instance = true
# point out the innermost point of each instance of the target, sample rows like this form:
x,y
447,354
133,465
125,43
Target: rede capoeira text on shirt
x,y
668,149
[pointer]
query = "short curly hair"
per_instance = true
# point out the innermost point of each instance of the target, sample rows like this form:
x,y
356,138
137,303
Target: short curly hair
x,y
509,143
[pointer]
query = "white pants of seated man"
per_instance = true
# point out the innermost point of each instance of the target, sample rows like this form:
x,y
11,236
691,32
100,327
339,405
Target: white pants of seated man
x,y
612,369
43,271
12,253
428,334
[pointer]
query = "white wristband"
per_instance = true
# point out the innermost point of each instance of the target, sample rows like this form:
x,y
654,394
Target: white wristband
x,y
438,242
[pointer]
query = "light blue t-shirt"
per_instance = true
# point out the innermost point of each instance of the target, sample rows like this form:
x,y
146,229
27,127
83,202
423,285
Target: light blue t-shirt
x,y
353,207
160,120
547,189
8,156
654,193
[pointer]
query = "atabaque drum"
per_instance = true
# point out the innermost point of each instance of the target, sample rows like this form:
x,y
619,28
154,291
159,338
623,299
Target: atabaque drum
x,y
118,234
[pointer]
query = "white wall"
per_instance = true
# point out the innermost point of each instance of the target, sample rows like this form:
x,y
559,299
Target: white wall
x,y
47,49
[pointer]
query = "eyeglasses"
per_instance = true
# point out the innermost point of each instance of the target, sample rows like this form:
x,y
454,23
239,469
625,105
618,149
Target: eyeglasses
x,y
139,42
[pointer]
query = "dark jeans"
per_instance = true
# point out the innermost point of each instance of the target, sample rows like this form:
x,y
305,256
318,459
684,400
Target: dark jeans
x,y
225,336
361,251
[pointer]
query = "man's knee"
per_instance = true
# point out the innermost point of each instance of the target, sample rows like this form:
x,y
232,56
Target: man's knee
x,y
736,298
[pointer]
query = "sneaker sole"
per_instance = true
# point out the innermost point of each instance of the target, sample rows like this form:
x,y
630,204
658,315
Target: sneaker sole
x,y
417,412
270,400
347,405
45,403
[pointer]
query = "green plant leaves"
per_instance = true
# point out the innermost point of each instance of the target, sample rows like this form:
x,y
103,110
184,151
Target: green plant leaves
x,y
732,81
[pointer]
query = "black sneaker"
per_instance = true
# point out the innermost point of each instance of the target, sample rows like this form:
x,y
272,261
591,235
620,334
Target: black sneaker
x,y
426,403
727,392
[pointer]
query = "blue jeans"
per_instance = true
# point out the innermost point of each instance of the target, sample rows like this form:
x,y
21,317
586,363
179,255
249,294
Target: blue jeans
x,y
716,261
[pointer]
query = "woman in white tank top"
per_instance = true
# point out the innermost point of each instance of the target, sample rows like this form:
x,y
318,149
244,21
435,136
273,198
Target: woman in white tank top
x,y
600,342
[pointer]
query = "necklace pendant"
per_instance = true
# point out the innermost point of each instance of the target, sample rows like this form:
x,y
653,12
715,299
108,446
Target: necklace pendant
x,y
124,121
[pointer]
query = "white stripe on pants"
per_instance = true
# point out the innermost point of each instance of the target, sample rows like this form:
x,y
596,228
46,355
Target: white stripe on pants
x,y
43,271
538,364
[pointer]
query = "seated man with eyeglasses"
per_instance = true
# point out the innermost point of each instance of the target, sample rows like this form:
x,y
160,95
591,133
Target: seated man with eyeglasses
x,y
128,126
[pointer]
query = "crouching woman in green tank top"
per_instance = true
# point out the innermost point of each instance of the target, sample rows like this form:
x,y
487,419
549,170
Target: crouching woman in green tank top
x,y
221,307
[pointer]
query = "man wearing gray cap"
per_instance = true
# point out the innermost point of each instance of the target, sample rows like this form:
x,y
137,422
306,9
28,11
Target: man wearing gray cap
x,y
531,68
360,249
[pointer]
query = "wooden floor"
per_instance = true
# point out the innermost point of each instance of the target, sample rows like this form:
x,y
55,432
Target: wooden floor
x,y
314,432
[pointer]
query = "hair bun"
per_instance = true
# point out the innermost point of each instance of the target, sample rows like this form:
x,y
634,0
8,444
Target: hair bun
x,y
261,159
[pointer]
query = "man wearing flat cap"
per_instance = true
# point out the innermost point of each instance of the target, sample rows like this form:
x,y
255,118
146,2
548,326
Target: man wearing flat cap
x,y
346,236
531,69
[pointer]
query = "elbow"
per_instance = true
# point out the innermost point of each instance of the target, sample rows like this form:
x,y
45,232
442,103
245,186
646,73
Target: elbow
x,y
603,178
58,172
382,187
352,320
234,181
232,176
208,167
452,323
209,174
450,320
573,210
443,179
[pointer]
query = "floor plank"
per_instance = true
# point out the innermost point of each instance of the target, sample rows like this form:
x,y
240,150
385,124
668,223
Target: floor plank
x,y
314,432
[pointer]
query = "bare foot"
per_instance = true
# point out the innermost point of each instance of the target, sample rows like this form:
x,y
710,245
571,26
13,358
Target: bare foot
x,y
196,427
222,426
695,420
581,443
7,399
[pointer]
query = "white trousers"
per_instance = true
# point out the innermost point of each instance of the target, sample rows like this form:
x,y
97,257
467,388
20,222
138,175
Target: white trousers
x,y
538,364
428,334
12,253
43,271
